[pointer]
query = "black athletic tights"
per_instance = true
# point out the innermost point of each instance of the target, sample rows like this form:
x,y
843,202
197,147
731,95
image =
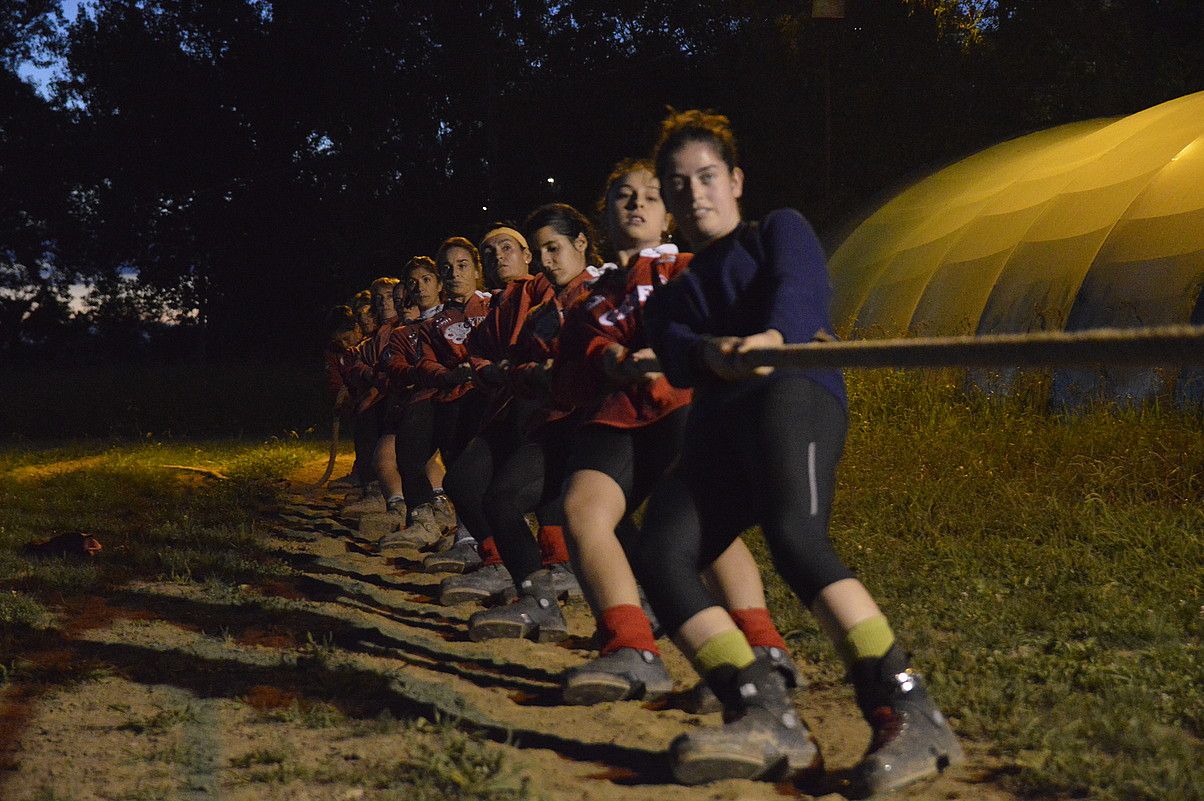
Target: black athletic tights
x,y
763,454
529,481
426,426
469,477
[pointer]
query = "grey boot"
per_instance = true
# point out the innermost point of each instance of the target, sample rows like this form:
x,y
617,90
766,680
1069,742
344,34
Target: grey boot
x,y
911,738
620,675
421,532
534,616
460,558
763,736
701,699
445,514
373,501
482,584
565,581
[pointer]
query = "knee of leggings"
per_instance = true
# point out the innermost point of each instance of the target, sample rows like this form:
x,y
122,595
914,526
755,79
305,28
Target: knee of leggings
x,y
807,564
458,486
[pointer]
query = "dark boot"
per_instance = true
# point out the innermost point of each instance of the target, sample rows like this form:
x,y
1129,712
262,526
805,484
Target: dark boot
x,y
701,700
911,738
534,616
762,738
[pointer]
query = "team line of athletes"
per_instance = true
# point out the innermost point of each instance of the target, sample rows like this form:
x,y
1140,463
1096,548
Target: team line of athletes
x,y
539,398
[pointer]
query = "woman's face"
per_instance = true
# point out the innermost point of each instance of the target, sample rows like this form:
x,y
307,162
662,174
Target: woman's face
x,y
424,288
367,319
460,272
561,258
702,193
635,212
382,303
510,260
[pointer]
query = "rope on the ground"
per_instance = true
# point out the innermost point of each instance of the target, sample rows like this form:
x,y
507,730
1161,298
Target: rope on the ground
x,y
1166,345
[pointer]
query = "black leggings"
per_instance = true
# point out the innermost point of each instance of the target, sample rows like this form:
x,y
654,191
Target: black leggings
x,y
367,432
529,481
426,426
766,454
636,458
469,477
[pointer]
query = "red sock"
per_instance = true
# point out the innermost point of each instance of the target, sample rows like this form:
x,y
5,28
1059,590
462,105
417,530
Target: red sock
x,y
758,628
626,626
489,552
552,545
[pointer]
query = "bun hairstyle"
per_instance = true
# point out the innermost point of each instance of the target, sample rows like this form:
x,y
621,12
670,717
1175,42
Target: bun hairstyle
x,y
566,221
682,127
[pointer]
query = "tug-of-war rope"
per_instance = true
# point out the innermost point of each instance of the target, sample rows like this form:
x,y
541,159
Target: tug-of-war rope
x,y
1166,345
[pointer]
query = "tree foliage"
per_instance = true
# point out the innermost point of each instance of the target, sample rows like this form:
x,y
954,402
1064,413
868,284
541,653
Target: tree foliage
x,y
258,161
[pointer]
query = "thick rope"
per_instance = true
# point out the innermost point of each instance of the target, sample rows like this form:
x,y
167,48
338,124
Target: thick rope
x,y
1168,345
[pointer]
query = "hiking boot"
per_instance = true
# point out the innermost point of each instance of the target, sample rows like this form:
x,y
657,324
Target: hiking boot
x,y
620,675
460,558
911,737
482,584
534,616
763,736
565,581
421,532
373,501
445,514
701,699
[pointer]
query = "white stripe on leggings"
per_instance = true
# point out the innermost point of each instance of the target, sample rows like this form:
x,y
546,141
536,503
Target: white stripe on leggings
x,y
811,478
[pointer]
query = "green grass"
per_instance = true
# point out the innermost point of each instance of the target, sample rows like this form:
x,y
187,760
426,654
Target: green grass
x,y
153,522
1044,570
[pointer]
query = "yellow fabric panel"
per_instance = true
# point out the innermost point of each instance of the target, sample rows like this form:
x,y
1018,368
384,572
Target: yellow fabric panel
x,y
1035,290
1004,240
955,297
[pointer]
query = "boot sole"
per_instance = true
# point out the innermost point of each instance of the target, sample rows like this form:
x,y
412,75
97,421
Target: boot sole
x,y
448,566
510,630
702,769
883,781
597,688
464,596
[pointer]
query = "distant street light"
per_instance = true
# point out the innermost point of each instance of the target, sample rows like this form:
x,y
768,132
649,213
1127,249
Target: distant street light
x,y
484,208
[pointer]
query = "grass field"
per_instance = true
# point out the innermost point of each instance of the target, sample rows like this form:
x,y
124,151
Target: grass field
x,y
1045,570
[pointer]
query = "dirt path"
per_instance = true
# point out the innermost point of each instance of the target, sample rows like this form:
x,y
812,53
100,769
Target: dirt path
x,y
277,691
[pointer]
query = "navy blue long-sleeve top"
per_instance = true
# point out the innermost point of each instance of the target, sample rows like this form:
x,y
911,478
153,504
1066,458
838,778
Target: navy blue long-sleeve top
x,y
771,274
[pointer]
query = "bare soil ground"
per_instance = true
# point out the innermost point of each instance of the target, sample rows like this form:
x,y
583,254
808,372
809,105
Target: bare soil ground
x,y
308,689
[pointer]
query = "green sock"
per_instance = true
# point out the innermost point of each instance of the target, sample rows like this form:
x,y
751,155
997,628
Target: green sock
x,y
869,639
727,650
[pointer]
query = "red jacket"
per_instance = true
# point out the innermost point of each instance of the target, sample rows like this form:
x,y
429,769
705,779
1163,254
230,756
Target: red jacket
x,y
496,339
398,361
444,347
361,375
611,313
336,361
538,341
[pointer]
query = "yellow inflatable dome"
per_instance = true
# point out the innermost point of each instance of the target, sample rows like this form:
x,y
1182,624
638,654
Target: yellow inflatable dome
x,y
1097,223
